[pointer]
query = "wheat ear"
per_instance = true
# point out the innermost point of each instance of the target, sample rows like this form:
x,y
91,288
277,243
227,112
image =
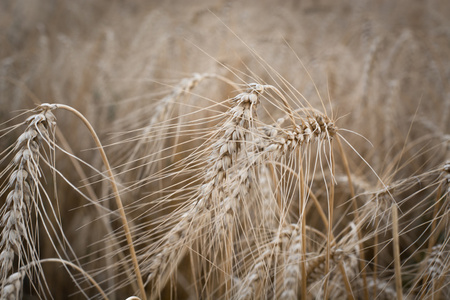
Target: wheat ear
x,y
380,289
24,182
292,272
214,199
175,244
256,281
357,218
434,273
234,170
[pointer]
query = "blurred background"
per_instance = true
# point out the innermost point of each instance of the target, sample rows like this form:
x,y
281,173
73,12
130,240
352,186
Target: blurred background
x,y
381,67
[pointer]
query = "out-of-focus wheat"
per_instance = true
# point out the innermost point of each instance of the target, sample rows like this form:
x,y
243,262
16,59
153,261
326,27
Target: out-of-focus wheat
x,y
307,158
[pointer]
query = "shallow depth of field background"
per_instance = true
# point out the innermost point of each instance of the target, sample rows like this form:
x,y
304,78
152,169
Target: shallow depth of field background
x,y
382,69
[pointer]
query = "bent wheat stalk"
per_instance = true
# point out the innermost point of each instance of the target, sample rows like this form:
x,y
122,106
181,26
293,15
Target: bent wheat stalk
x,y
115,190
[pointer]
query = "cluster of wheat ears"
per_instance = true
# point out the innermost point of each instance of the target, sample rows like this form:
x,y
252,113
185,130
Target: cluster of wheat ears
x,y
233,184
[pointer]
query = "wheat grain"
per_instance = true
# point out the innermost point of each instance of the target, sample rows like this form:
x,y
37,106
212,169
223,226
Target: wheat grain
x,y
12,289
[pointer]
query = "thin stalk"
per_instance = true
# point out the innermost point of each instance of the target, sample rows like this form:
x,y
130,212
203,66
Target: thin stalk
x,y
436,209
398,272
303,220
80,171
229,263
375,260
422,292
347,172
432,240
116,195
330,236
355,211
348,287
309,192
318,207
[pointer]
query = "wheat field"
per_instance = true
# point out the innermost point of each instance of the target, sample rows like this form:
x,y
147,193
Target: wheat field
x,y
225,149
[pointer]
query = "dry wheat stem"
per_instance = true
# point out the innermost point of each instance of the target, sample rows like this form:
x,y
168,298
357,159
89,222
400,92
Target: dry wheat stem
x,y
116,194
304,273
330,235
114,243
355,210
395,232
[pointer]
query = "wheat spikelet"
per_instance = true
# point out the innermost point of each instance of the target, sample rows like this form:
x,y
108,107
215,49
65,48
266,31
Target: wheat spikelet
x,y
315,127
174,246
12,289
291,273
270,209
